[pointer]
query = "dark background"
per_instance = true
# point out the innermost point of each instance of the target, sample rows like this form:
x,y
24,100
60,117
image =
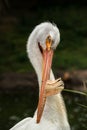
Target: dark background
x,y
18,81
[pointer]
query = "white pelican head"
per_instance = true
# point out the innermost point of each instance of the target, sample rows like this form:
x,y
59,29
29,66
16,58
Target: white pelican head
x,y
47,31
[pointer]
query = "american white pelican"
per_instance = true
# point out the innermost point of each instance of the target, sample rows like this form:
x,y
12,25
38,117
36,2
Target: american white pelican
x,y
51,112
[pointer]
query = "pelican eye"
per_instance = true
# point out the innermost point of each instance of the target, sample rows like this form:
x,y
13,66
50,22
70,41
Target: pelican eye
x,y
40,47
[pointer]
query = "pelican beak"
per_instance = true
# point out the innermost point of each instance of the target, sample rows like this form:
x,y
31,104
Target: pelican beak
x,y
47,61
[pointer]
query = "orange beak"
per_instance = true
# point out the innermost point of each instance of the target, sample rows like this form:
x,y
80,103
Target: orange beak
x,y
47,61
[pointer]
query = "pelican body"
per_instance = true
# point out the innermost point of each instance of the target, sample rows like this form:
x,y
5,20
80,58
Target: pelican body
x,y
51,112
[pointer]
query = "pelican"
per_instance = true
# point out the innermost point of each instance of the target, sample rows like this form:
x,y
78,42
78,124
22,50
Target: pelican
x,y
51,112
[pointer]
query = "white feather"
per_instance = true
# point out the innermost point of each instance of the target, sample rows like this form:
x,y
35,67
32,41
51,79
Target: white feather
x,y
54,116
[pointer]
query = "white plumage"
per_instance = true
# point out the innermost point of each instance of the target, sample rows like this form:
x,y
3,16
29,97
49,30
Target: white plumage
x,y
54,116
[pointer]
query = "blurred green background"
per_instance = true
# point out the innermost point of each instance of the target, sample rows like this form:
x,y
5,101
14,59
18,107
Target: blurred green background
x,y
17,20
17,23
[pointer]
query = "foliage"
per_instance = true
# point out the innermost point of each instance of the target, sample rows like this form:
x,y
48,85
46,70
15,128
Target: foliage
x,y
81,93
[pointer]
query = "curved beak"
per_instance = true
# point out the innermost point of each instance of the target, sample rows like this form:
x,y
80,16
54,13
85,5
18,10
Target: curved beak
x,y
47,61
